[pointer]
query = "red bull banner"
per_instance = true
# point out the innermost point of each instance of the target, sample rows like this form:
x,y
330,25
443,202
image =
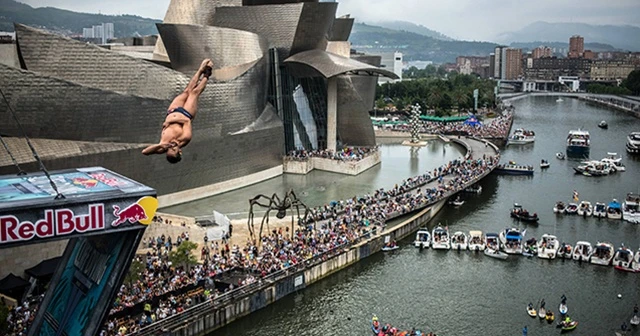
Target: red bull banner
x,y
81,219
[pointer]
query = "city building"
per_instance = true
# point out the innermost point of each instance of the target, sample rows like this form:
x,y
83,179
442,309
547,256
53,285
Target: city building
x,y
472,64
275,87
87,33
512,63
541,52
576,46
392,61
103,32
590,55
551,68
612,69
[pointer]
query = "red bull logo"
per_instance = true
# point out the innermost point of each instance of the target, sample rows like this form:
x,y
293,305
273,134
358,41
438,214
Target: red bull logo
x,y
141,212
59,222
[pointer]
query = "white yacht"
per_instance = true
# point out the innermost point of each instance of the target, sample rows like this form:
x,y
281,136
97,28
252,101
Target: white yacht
x,y
614,210
511,241
614,162
476,241
423,238
602,254
585,209
633,143
548,247
492,241
600,210
593,168
440,238
459,241
631,208
623,258
582,251
521,137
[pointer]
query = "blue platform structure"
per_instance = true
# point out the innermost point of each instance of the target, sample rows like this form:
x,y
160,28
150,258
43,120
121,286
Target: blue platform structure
x,y
102,213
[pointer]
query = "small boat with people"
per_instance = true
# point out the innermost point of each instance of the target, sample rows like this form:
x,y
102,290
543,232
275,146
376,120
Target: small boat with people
x,y
603,124
544,164
476,241
623,258
585,209
492,241
474,189
548,246
614,210
531,311
600,210
563,308
631,208
633,143
578,143
602,254
457,201
572,209
511,240
497,254
440,239
593,168
521,137
559,207
582,251
390,246
615,162
512,168
565,251
542,311
549,316
423,238
522,214
530,248
459,241
568,326
560,156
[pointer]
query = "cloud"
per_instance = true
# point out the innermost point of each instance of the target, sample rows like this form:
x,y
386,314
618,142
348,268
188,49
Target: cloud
x,y
462,19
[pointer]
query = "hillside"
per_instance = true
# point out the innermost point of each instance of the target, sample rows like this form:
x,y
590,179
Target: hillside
x,y
68,22
621,37
412,28
414,46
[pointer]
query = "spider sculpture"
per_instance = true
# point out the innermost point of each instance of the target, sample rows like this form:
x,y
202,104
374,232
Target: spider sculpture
x,y
274,202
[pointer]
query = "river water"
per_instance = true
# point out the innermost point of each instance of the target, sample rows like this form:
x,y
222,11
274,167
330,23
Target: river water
x,y
464,293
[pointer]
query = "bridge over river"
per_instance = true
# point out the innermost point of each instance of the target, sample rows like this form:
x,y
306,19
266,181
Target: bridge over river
x,y
629,104
214,313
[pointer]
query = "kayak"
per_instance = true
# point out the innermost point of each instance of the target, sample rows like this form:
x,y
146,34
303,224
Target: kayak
x,y
531,311
495,254
563,309
542,313
568,327
550,317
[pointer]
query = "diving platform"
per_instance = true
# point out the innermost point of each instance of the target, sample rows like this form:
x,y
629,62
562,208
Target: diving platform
x,y
103,216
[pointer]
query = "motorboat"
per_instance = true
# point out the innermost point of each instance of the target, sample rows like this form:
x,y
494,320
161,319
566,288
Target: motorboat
x,y
423,239
600,210
631,208
492,241
548,247
512,168
602,254
560,156
530,248
544,164
490,252
440,238
456,202
476,241
559,207
474,189
522,214
459,241
593,168
521,137
578,143
636,261
572,209
511,241
531,311
582,251
390,246
585,209
565,251
633,143
614,210
542,313
614,161
565,327
603,124
623,258
549,317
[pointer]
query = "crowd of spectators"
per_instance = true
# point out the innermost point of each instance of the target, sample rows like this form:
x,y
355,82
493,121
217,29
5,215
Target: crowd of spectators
x,y
345,154
327,229
496,128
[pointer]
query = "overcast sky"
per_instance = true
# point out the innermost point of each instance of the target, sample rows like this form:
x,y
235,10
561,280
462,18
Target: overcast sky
x,y
460,19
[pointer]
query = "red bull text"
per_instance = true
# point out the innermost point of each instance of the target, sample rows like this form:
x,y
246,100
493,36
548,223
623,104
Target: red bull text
x,y
133,213
59,222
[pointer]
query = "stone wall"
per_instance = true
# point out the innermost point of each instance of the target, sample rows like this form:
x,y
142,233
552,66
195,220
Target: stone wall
x,y
330,165
17,259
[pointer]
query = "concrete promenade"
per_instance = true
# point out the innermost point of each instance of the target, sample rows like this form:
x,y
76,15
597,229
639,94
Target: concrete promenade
x,y
629,104
206,317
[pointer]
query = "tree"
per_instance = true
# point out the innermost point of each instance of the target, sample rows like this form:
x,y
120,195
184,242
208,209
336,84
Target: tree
x,y
135,270
183,255
461,99
633,82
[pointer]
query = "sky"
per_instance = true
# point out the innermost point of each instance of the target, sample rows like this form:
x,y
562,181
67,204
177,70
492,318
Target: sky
x,y
461,19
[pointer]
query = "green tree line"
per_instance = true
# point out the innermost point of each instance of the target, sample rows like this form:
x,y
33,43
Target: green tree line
x,y
629,86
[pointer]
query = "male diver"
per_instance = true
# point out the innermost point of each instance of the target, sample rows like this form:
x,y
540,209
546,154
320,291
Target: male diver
x,y
176,129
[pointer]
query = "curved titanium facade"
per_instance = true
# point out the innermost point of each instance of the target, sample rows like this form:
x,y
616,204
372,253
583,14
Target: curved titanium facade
x,y
341,29
354,103
329,65
188,45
